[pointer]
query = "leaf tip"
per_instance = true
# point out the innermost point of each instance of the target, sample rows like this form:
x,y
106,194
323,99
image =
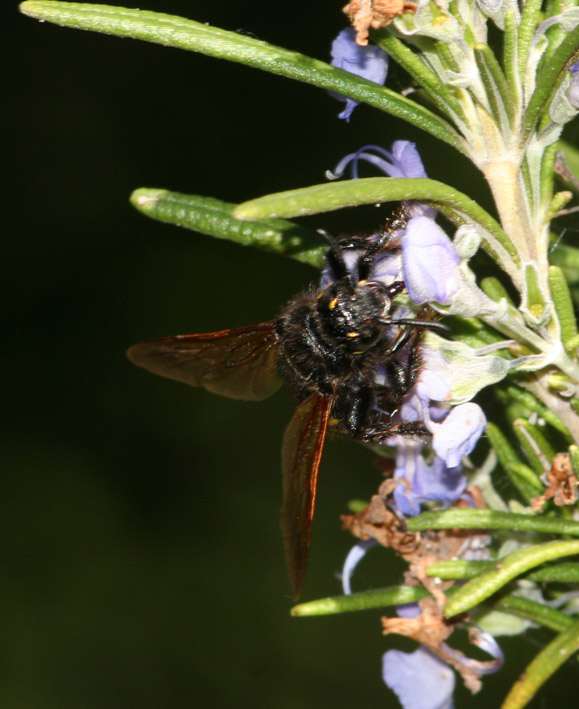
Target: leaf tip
x,y
245,212
145,199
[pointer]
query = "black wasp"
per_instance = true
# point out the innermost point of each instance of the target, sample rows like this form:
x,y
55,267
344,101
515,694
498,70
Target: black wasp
x,y
347,357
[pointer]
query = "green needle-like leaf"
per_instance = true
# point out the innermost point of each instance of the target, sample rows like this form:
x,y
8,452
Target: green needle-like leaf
x,y
214,217
526,31
457,569
375,190
490,581
488,519
173,31
497,89
452,569
414,64
556,573
534,445
563,303
549,75
545,664
533,611
365,600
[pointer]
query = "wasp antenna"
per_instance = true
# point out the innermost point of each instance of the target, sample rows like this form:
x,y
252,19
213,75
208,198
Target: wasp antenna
x,y
416,323
335,257
327,236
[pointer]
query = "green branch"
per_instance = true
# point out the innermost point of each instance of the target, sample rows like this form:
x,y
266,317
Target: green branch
x,y
215,218
179,32
505,570
545,664
488,519
375,190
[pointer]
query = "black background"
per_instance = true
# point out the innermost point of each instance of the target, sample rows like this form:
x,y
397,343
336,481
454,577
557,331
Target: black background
x,y
140,555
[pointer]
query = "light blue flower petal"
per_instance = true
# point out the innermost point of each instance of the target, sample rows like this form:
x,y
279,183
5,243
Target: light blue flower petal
x,y
354,557
429,262
419,679
368,62
457,435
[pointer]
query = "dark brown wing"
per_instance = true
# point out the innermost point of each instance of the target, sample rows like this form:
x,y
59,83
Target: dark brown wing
x,y
303,443
239,363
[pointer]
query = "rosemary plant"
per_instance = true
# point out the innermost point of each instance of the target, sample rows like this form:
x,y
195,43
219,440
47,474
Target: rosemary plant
x,y
497,81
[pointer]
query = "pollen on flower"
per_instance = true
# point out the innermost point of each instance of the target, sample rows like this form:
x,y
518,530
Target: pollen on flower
x,y
374,14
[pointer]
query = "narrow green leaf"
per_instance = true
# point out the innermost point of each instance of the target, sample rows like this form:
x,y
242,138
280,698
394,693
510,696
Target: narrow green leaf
x,y
496,87
215,218
533,404
473,332
525,480
458,569
502,446
534,301
556,573
511,55
559,201
547,178
563,303
495,289
365,600
529,19
574,458
179,32
374,190
413,63
445,55
572,344
506,569
452,569
488,519
534,445
549,76
533,611
545,664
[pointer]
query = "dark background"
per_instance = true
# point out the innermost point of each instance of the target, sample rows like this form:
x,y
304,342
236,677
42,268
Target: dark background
x,y
140,554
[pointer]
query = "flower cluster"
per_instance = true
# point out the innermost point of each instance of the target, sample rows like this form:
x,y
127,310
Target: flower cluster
x,y
429,266
436,273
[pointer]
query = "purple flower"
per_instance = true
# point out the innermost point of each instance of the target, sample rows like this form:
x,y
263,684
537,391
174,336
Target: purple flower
x,y
403,160
419,482
458,434
419,679
354,557
408,610
573,90
368,62
429,262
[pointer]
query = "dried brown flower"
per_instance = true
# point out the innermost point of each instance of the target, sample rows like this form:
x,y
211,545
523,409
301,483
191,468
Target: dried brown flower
x,y
374,14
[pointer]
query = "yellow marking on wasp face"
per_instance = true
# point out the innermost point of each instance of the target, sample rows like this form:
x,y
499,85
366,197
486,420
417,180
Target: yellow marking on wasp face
x,y
352,334
332,304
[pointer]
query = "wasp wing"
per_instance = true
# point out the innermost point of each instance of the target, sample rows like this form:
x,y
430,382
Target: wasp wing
x,y
302,447
238,363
